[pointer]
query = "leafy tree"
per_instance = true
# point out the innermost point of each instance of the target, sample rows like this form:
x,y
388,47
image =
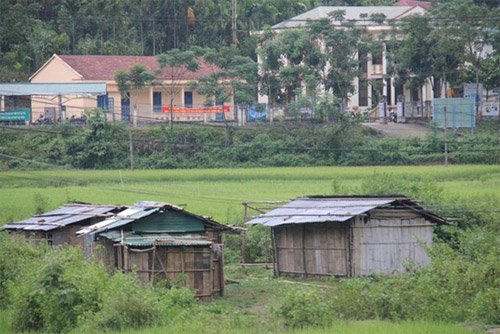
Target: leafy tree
x,y
174,65
474,26
135,78
284,63
231,75
343,41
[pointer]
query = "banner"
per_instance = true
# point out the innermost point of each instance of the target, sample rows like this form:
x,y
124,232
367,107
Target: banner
x,y
254,115
470,90
203,110
15,115
490,109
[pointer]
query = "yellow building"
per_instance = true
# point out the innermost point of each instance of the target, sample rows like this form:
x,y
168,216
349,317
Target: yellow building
x,y
150,103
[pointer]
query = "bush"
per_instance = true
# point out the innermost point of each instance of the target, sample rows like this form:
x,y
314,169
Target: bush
x,y
305,307
55,289
459,285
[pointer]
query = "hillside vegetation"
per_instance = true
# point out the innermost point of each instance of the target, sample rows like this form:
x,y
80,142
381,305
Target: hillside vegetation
x,y
103,145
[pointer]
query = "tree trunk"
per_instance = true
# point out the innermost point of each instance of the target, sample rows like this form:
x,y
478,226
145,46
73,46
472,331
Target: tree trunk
x,y
142,38
171,118
445,86
154,37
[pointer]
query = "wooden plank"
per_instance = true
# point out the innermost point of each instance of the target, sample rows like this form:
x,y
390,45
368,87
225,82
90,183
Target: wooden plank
x,y
276,268
303,250
153,260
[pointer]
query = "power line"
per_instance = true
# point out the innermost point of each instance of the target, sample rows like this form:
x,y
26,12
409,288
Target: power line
x,y
241,18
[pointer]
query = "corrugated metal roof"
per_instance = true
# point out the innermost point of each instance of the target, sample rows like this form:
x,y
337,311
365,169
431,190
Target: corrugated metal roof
x,y
355,13
63,216
319,210
122,218
159,239
78,88
143,209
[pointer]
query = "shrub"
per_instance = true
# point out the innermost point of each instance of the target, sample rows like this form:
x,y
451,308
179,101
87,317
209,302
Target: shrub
x,y
460,284
305,307
55,289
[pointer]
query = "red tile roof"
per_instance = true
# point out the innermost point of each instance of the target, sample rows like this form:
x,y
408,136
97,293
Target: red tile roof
x,y
104,67
413,3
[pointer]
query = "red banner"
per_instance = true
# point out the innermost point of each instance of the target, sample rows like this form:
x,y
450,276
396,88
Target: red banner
x,y
183,110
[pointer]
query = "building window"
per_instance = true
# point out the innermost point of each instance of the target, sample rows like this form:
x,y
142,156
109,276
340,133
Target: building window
x,y
102,102
362,60
363,92
188,99
157,102
377,58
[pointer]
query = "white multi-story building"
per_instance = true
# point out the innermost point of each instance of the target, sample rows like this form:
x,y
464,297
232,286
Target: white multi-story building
x,y
374,71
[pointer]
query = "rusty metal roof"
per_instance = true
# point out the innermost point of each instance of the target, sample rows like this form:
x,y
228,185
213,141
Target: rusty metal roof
x,y
61,217
321,209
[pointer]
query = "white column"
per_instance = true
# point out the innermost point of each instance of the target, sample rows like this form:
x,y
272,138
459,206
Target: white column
x,y
369,95
384,88
393,92
2,103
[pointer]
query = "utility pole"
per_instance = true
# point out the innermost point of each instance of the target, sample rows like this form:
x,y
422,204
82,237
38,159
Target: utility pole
x,y
445,140
59,104
131,144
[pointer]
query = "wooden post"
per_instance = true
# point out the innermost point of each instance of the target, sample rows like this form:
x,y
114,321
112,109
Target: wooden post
x,y
276,267
124,253
153,265
350,247
182,262
211,271
131,147
244,235
303,250
221,270
445,139
62,112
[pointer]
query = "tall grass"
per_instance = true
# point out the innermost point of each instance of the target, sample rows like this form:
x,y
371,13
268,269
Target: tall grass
x,y
219,192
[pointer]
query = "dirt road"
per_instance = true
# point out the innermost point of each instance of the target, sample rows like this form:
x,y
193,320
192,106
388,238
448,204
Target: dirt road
x,y
400,130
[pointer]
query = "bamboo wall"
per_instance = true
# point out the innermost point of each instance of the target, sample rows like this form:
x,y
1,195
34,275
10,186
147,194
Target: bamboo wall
x,y
388,240
311,249
381,243
201,267
197,265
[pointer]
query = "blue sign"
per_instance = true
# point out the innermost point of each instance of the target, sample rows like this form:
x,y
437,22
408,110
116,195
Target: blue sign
x,y
219,117
455,113
254,115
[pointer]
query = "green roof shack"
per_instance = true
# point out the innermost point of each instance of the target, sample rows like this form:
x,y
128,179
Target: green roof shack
x,y
161,241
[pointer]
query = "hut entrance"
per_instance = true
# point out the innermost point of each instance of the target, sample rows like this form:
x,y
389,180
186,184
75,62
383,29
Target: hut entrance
x,y
195,267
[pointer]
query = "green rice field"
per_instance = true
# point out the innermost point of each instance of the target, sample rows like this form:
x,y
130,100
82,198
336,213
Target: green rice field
x,y
219,192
